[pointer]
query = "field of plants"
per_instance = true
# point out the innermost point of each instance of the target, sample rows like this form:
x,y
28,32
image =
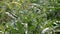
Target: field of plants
x,y
29,16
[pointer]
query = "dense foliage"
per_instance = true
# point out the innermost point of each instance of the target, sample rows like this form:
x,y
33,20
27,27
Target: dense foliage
x,y
28,16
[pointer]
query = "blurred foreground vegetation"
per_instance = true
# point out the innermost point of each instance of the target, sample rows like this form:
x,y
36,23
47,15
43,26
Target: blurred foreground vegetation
x,y
29,16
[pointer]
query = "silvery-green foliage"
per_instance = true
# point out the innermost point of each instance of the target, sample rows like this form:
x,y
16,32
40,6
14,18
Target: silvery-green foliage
x,y
29,16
